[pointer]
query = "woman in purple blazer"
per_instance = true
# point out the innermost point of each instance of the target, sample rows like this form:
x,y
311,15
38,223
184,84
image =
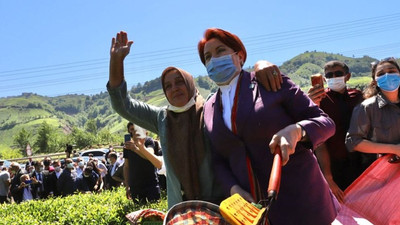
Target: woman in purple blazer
x,y
246,124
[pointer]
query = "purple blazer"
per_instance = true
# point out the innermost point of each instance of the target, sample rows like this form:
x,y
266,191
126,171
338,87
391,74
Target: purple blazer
x,y
304,196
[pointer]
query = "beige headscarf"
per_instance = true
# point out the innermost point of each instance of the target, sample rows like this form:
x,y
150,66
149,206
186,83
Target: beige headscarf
x,y
185,138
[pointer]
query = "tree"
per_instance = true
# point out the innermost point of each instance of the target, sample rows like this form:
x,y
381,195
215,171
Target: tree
x,y
91,126
22,139
47,139
81,138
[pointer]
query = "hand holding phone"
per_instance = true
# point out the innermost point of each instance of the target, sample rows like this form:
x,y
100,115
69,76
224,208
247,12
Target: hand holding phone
x,y
317,79
317,92
127,137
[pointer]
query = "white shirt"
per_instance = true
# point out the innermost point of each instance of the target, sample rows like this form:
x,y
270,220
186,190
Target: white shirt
x,y
58,173
79,172
162,170
4,188
227,98
103,168
113,169
27,194
120,159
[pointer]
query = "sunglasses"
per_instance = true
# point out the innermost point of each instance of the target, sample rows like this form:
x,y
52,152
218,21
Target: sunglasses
x,y
337,73
388,59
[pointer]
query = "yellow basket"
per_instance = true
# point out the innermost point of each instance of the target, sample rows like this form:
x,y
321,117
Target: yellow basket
x,y
238,211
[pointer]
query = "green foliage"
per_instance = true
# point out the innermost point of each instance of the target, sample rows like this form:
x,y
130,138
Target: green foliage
x,y
359,82
22,139
301,67
108,207
8,153
91,126
82,139
46,140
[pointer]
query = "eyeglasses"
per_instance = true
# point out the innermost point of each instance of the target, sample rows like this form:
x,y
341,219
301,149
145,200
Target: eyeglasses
x,y
388,59
337,73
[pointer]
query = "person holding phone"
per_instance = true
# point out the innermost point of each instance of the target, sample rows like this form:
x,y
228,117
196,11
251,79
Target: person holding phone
x,y
140,176
24,191
339,166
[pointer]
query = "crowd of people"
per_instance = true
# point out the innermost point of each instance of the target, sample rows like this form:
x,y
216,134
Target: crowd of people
x,y
42,179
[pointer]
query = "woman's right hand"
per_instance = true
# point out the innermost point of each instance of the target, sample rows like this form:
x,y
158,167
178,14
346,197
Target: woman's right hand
x,y
339,194
268,75
246,195
120,46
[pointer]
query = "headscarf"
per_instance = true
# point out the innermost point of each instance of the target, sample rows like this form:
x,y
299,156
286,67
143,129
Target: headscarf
x,y
185,138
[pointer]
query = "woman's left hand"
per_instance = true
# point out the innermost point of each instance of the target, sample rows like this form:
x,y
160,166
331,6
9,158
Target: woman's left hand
x,y
268,75
285,140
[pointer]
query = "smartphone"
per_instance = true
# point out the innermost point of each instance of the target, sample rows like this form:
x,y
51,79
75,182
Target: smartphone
x,y
127,137
317,79
28,181
140,131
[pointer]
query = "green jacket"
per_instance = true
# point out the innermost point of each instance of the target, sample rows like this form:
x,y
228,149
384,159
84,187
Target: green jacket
x,y
153,119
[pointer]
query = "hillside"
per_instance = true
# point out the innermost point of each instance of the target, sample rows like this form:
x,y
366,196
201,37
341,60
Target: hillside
x,y
63,113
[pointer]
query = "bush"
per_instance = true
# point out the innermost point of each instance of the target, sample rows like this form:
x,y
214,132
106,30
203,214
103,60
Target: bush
x,y
108,207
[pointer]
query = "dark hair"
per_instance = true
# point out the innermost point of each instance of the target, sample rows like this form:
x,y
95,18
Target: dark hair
x,y
88,169
113,154
37,163
372,89
128,125
46,162
335,63
92,164
229,39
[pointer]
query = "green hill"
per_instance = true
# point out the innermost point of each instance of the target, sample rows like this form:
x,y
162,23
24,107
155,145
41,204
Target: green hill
x,y
64,113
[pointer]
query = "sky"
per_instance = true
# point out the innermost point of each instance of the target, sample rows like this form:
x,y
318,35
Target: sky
x,y
54,48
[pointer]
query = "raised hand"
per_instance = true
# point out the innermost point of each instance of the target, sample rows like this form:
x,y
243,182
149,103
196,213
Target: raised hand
x,y
120,46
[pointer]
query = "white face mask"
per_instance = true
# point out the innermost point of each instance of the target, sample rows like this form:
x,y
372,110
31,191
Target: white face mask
x,y
81,164
57,169
336,84
70,165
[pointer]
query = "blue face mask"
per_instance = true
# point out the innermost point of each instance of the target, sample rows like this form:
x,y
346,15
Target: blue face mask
x,y
222,69
389,81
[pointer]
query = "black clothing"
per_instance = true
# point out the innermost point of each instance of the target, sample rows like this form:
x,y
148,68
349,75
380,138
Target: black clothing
x,y
66,183
143,181
15,182
111,183
87,183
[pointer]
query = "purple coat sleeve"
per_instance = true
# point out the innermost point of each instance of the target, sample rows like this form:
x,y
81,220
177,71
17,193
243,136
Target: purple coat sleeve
x,y
317,124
